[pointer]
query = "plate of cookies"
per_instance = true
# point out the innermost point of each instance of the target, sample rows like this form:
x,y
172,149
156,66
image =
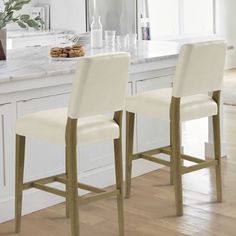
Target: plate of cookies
x,y
67,53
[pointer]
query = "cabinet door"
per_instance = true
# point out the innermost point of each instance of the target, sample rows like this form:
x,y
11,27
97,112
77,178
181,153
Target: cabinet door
x,y
151,132
6,153
42,158
97,155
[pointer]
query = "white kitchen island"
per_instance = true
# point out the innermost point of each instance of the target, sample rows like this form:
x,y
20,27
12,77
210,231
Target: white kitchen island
x,y
31,81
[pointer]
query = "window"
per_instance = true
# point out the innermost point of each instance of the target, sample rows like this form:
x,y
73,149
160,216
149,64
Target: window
x,y
178,18
198,17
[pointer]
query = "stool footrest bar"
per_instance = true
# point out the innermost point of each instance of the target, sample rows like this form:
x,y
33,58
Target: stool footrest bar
x,y
192,159
46,180
82,200
150,152
156,160
49,189
167,150
96,197
200,166
87,187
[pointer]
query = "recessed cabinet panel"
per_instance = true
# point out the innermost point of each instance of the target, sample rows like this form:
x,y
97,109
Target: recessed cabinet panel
x,y
151,132
97,155
2,157
42,158
6,153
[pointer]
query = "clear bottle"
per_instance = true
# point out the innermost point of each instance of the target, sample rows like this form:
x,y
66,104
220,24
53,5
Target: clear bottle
x,y
145,27
96,32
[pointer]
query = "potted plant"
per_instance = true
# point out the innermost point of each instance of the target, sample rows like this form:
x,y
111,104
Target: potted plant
x,y
9,15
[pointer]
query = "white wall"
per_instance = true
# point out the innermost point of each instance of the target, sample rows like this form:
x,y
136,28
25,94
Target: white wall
x,y
67,14
226,26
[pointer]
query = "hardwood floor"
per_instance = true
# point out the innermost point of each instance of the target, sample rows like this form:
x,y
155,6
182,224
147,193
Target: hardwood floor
x,y
151,210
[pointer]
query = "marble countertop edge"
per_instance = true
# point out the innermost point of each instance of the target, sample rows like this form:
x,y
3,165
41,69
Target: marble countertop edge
x,y
25,64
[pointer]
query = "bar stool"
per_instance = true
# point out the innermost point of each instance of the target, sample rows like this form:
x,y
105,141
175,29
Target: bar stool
x,y
99,87
199,71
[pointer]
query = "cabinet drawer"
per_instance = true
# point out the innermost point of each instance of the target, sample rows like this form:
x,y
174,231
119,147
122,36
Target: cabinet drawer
x,y
43,103
154,83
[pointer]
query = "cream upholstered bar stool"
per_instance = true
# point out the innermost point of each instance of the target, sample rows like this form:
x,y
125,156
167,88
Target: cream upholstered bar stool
x,y
199,71
99,87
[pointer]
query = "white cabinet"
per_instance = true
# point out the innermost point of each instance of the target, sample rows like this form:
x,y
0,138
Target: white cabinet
x,y
6,153
151,132
95,161
97,155
42,158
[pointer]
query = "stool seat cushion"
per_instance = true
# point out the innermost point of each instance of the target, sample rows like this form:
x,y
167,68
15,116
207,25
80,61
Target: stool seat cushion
x,y
50,126
156,103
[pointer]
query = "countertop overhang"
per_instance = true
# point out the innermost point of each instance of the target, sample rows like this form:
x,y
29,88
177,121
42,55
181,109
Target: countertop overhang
x,y
35,62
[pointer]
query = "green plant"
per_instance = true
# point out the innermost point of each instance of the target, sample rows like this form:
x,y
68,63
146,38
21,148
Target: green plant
x,y
9,15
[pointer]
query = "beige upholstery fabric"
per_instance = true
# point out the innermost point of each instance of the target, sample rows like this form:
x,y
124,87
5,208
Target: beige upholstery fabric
x,y
156,104
50,126
200,68
100,85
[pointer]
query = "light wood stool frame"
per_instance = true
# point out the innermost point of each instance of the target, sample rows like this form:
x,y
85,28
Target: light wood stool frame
x,y
70,179
174,150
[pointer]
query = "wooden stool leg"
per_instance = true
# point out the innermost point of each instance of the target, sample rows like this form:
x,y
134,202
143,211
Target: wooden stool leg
x,y
119,184
72,183
72,179
67,191
176,153
171,161
217,149
129,150
20,159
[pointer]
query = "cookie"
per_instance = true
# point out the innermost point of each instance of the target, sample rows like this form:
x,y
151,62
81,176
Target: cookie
x,y
63,55
76,46
75,50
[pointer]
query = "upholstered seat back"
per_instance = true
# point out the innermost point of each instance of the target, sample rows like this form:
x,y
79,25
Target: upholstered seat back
x,y
100,85
200,68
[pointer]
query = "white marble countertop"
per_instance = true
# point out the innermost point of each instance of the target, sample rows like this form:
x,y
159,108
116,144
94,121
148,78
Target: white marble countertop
x,y
34,33
32,63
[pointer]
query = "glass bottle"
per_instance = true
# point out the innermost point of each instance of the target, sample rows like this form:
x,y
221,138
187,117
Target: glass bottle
x,y
96,32
145,27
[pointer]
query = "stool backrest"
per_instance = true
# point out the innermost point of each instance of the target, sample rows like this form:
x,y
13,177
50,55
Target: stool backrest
x,y
100,85
200,68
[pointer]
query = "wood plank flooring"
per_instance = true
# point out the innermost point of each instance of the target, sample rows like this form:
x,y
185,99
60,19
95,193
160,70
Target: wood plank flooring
x,y
151,210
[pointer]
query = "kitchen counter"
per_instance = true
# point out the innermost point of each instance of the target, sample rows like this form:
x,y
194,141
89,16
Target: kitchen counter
x,y
31,33
35,62
31,81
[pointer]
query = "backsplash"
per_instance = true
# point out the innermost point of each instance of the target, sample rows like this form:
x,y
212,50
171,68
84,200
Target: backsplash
x,y
66,15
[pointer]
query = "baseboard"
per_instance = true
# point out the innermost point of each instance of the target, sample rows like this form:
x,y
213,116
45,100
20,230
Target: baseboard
x,y
35,200
209,149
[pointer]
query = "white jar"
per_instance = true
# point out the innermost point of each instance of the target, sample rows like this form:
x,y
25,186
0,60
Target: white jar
x,y
96,32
